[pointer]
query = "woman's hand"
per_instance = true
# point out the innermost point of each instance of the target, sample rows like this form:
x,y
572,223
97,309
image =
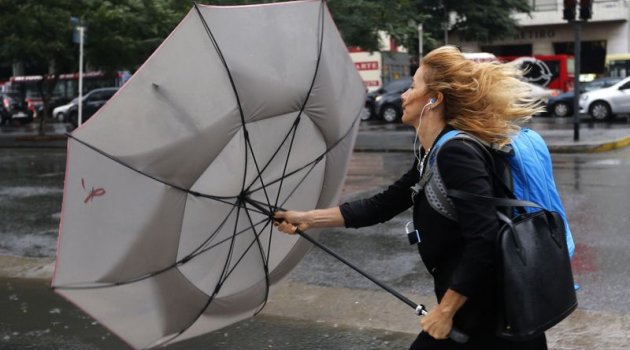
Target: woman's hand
x,y
290,221
437,323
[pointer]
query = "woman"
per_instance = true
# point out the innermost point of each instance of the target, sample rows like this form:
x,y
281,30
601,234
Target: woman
x,y
488,101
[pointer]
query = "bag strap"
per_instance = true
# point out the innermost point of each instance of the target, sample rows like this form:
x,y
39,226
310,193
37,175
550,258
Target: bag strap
x,y
510,201
497,202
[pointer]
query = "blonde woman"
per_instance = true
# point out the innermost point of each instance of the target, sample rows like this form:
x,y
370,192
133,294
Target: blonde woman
x,y
488,101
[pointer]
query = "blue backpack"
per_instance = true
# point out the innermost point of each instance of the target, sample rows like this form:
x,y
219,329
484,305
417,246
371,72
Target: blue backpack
x,y
531,176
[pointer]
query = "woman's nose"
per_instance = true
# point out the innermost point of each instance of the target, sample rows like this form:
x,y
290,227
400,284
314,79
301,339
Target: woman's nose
x,y
403,97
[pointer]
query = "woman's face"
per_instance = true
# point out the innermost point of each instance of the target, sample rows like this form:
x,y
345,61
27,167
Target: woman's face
x,y
414,99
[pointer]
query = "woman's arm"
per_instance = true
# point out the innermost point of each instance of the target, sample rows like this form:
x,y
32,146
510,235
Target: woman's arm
x,y
439,321
382,206
364,212
289,221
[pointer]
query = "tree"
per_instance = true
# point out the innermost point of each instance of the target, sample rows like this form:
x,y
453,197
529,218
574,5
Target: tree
x,y
482,21
123,33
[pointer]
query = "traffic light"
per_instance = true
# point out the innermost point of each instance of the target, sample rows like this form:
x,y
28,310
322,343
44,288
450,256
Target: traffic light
x,y
586,9
569,10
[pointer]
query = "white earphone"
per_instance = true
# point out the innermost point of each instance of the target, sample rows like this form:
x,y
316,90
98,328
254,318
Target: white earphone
x,y
432,101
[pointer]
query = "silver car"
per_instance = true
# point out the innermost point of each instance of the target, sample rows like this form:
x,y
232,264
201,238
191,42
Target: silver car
x,y
605,103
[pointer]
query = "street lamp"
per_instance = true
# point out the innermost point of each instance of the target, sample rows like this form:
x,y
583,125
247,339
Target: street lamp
x,y
80,30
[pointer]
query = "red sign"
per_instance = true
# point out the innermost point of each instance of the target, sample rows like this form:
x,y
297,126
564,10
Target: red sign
x,y
371,65
369,83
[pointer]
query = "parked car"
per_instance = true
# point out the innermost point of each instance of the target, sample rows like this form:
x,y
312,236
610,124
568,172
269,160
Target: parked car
x,y
92,102
14,109
385,102
562,105
61,112
605,103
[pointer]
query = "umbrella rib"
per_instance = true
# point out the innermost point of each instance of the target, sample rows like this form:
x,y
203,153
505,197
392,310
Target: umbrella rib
x,y
207,249
196,252
222,279
215,44
293,130
222,199
317,159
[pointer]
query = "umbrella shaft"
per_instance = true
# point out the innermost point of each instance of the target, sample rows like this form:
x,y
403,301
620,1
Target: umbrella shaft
x,y
393,292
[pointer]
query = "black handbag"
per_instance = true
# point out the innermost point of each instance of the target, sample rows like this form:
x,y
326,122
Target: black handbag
x,y
536,287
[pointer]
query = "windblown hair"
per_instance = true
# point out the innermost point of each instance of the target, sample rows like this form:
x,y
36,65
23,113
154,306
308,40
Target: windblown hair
x,y
486,99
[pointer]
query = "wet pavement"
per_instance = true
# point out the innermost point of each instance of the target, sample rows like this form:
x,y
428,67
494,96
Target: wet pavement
x,y
345,311
34,318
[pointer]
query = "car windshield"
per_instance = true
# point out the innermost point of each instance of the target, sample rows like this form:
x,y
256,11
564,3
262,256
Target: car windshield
x,y
598,84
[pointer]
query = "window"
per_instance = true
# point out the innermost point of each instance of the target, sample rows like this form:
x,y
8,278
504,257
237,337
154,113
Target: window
x,y
543,5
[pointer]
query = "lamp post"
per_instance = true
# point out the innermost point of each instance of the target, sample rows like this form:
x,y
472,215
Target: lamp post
x,y
79,38
81,30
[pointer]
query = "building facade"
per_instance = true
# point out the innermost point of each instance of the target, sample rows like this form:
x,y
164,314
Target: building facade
x,y
545,32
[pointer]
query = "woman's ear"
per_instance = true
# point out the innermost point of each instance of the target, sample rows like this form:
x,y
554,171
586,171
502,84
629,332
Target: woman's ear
x,y
437,100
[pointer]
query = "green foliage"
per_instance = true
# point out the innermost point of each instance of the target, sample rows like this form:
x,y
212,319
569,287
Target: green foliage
x,y
121,34
33,31
482,21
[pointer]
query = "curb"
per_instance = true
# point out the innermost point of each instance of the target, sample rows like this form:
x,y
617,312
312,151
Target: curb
x,y
590,147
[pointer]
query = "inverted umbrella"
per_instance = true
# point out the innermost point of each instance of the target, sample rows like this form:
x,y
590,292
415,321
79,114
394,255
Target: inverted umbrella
x,y
163,237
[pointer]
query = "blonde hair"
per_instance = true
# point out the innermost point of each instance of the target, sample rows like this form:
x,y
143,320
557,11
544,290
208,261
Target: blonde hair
x,y
486,99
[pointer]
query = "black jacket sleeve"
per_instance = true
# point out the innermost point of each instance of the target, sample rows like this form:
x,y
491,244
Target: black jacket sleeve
x,y
383,206
463,165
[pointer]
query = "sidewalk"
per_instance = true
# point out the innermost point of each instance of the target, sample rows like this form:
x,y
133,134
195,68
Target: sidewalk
x,y
558,140
361,309
371,138
27,136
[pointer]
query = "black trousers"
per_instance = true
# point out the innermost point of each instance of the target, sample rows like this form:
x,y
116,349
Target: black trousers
x,y
478,342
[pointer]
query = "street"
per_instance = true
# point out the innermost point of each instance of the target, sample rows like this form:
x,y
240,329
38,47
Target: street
x,y
595,189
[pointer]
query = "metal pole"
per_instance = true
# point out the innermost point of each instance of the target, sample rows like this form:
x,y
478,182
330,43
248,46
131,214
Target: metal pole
x,y
576,81
455,334
81,29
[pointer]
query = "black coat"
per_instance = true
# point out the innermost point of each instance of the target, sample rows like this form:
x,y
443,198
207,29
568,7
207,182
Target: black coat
x,y
459,255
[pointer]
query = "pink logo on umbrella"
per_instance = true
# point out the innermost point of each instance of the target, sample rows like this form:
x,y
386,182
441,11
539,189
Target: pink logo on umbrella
x,y
95,192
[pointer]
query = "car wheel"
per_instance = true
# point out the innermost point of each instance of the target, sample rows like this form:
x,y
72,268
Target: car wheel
x,y
390,114
600,110
561,109
366,114
60,117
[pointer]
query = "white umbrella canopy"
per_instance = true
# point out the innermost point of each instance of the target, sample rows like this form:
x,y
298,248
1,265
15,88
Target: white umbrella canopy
x,y
241,108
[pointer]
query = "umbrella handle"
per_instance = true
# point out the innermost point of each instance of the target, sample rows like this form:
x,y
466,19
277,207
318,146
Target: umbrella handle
x,y
455,334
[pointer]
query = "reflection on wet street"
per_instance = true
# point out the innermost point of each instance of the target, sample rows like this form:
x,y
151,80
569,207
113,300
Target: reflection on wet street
x,y
31,187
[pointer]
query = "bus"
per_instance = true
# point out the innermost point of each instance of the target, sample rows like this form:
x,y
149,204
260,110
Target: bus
x,y
618,65
555,72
